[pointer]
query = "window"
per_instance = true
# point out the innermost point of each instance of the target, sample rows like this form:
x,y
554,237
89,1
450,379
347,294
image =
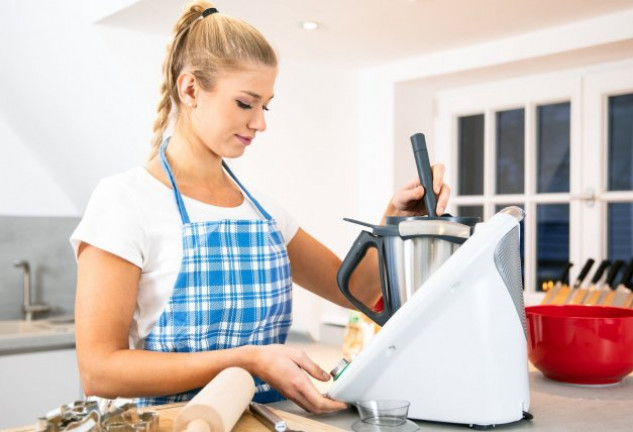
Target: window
x,y
560,146
551,171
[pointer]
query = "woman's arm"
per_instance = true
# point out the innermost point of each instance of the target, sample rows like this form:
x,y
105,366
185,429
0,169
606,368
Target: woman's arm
x,y
107,287
315,267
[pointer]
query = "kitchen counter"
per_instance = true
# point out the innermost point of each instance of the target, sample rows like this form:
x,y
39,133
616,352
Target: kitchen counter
x,y
556,406
17,336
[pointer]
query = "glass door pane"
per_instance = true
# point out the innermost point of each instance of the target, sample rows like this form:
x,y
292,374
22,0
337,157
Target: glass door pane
x,y
620,138
620,176
553,127
552,242
471,211
471,155
510,151
620,231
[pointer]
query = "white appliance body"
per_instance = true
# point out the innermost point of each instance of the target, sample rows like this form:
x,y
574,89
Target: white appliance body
x,y
457,350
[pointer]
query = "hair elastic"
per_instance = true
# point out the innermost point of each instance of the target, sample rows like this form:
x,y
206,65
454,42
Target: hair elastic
x,y
209,11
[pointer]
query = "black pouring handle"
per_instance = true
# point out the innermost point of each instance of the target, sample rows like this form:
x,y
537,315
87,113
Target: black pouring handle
x,y
354,256
422,162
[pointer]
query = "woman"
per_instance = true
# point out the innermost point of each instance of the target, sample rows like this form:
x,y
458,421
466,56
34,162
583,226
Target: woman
x,y
182,272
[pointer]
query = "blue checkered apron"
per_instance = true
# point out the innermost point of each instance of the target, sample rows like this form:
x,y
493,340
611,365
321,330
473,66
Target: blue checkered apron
x,y
234,288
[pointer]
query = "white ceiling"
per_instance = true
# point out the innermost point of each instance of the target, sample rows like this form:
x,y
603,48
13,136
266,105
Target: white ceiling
x,y
369,32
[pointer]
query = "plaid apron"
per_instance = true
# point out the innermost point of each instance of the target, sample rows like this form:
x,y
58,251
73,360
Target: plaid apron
x,y
233,289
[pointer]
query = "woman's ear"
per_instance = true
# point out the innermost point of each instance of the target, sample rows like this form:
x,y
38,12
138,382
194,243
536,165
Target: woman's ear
x,y
187,85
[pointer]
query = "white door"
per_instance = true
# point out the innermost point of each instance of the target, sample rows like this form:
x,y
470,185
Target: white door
x,y
607,175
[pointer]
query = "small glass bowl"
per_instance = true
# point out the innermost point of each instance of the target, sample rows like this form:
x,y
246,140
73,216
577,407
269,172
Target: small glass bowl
x,y
383,412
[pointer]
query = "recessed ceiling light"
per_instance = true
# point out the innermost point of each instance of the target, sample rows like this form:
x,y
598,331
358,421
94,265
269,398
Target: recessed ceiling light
x,y
309,25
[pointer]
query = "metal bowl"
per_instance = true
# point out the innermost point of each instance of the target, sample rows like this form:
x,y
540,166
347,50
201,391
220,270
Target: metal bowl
x,y
581,344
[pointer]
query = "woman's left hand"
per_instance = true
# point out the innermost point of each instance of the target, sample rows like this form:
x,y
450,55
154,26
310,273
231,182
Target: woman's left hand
x,y
408,200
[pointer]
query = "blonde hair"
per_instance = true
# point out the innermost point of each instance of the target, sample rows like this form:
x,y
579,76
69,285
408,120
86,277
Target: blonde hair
x,y
207,47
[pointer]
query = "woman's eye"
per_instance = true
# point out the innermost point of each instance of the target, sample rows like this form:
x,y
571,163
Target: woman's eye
x,y
243,105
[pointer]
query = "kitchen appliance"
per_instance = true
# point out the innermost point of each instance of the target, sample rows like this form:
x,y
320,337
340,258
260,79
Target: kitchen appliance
x,y
581,344
409,249
457,349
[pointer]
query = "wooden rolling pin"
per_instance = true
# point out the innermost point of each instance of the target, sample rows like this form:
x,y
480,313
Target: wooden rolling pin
x,y
219,405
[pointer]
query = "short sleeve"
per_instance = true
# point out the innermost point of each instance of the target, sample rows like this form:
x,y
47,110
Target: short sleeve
x,y
286,223
112,222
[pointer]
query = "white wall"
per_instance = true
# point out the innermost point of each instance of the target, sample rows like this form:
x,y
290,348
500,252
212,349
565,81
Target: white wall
x,y
27,185
79,97
79,100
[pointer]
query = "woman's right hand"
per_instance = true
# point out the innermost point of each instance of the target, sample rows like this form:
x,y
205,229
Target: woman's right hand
x,y
285,369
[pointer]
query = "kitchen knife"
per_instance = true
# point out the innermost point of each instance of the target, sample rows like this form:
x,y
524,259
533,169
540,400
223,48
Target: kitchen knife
x,y
552,293
579,280
597,295
578,296
620,295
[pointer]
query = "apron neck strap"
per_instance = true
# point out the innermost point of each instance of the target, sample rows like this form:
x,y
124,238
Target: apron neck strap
x,y
184,216
258,206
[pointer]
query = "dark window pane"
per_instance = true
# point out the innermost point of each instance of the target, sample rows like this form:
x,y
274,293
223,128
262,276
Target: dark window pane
x,y
471,155
620,231
620,142
510,151
552,239
553,148
471,211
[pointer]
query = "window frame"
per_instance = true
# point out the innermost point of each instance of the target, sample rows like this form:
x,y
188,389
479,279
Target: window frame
x,y
527,93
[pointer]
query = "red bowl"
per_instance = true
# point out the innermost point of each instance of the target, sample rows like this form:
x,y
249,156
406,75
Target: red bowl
x,y
581,344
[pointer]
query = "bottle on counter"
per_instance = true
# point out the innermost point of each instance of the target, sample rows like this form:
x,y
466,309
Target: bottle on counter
x,y
358,333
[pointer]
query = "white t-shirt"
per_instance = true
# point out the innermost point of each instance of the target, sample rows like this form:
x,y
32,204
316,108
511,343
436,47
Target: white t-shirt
x,y
134,216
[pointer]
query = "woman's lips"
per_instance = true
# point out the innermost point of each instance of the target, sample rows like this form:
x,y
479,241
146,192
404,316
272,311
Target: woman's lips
x,y
244,140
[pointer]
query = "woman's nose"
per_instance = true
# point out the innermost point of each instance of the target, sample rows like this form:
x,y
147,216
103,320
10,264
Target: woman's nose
x,y
258,121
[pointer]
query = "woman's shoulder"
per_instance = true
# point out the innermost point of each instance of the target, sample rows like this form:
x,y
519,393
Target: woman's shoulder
x,y
132,178
133,183
285,220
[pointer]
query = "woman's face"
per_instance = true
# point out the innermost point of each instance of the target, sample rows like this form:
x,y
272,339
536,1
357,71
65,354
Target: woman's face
x,y
227,118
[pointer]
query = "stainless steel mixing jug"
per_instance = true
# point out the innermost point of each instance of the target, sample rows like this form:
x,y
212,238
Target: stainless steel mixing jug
x,y
409,249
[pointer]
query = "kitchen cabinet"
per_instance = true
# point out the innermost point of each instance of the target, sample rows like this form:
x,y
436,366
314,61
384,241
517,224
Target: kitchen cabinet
x,y
34,383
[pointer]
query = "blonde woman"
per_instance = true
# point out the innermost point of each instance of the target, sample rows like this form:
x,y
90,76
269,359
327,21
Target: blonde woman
x,y
182,271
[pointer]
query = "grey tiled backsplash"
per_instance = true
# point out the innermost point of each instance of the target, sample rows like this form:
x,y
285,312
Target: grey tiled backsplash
x,y
43,241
